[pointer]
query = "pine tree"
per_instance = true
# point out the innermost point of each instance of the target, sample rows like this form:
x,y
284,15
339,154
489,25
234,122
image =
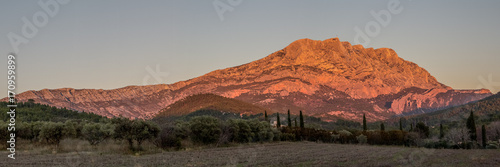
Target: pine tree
x,y
441,131
278,123
382,127
265,116
289,120
400,124
301,120
471,125
364,123
483,135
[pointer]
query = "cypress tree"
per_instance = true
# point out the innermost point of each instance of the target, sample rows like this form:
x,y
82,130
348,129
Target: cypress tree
x,y
411,127
289,120
265,116
441,132
364,123
278,123
400,124
483,135
382,127
301,120
471,125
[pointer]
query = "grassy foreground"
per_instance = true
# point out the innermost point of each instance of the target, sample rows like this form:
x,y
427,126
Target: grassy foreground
x,y
269,154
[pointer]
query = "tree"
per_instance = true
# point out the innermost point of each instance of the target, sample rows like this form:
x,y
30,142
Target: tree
x,y
278,123
265,116
458,135
289,120
123,130
95,133
483,135
301,120
364,123
52,132
168,137
422,129
382,127
441,131
471,125
411,127
241,131
362,139
144,130
205,129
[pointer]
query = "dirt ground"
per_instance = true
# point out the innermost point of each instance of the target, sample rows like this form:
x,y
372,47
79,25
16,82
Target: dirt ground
x,y
269,154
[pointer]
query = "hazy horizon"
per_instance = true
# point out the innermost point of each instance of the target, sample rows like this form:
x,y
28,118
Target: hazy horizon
x,y
113,44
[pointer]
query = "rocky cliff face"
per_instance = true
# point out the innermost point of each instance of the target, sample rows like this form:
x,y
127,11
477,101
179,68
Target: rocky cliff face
x,y
330,79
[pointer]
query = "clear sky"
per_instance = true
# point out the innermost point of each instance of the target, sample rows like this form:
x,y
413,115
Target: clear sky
x,y
115,43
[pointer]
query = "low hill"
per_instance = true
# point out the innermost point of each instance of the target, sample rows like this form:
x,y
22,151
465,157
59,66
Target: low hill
x,y
210,102
486,110
31,112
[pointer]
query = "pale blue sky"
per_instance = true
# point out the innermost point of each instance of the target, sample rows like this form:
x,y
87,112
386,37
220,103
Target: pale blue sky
x,y
109,44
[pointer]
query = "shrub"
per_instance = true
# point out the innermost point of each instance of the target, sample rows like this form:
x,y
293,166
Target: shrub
x,y
52,133
144,130
362,139
138,130
205,129
123,130
241,131
412,139
345,136
95,133
261,131
492,145
168,138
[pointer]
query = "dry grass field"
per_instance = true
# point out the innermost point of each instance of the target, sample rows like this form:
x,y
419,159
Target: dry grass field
x,y
268,154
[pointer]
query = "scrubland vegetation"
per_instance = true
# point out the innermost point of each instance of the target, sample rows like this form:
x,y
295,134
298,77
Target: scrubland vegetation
x,y
45,130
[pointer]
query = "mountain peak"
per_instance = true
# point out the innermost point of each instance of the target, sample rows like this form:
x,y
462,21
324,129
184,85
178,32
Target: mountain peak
x,y
329,78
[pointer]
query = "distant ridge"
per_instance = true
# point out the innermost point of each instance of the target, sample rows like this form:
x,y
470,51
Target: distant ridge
x,y
210,102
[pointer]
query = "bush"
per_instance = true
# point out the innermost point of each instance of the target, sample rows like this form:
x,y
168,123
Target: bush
x,y
205,129
287,137
241,131
437,144
345,136
276,134
168,138
492,145
412,139
138,130
144,130
261,131
52,133
362,139
4,133
95,133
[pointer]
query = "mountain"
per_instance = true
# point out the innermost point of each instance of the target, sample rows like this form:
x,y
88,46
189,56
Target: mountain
x,y
210,102
328,79
485,110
